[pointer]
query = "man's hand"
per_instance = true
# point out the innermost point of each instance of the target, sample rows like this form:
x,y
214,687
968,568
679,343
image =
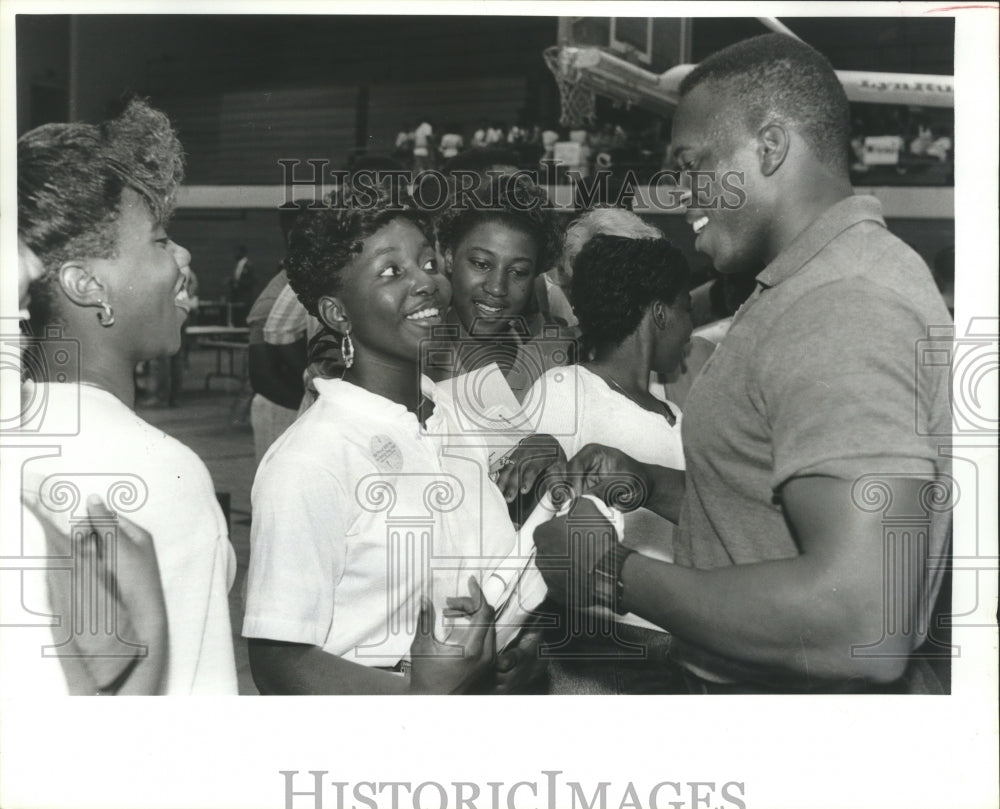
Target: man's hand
x,y
529,460
459,666
567,550
616,478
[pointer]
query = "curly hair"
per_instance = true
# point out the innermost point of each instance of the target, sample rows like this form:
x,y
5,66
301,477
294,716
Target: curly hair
x,y
616,279
70,180
777,76
510,199
325,240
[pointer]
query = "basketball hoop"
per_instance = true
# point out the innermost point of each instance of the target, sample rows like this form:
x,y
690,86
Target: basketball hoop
x,y
576,101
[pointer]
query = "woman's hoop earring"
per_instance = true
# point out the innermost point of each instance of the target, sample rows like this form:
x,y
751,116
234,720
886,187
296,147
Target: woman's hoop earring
x,y
347,350
106,317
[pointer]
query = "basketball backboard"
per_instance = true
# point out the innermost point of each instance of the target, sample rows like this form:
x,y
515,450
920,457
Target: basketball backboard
x,y
654,43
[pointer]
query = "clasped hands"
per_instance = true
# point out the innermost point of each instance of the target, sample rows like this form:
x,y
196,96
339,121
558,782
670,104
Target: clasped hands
x,y
568,546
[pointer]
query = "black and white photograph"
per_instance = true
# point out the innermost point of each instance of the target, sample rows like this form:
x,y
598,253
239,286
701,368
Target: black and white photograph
x,y
402,383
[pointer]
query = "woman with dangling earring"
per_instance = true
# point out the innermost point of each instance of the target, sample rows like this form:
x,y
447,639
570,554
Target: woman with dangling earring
x,y
366,524
93,205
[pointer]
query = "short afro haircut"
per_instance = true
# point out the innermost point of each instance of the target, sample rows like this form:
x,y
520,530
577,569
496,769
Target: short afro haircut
x,y
777,77
613,221
615,281
70,180
509,199
325,240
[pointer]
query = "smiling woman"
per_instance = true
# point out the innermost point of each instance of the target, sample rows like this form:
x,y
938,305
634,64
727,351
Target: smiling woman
x,y
93,203
495,242
333,607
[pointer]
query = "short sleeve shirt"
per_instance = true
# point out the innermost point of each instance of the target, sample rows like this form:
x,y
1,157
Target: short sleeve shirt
x,y
357,511
288,320
818,375
577,407
261,309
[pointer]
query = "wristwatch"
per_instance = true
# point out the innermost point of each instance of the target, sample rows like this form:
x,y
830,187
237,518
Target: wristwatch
x,y
606,578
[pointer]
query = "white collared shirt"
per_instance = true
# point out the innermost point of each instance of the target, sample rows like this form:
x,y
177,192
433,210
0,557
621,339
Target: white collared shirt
x,y
357,511
163,487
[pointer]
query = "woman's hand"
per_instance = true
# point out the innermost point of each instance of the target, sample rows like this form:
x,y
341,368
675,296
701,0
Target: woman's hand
x,y
527,463
115,599
520,665
461,665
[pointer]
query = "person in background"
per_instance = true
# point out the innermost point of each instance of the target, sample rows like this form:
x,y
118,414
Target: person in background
x,y
479,136
483,161
554,287
241,287
714,304
496,134
810,417
494,246
403,152
423,147
276,383
451,142
635,317
515,135
93,205
550,137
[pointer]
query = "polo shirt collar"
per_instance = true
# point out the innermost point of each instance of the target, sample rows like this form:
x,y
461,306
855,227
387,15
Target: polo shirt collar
x,y
830,224
355,398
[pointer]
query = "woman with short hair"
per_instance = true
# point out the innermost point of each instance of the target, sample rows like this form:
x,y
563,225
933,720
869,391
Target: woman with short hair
x,y
93,205
635,316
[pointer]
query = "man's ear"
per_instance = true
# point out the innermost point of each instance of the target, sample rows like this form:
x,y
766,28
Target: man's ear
x,y
332,313
80,284
773,142
658,312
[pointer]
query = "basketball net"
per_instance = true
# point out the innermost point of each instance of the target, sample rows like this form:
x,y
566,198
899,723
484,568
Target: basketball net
x,y
577,103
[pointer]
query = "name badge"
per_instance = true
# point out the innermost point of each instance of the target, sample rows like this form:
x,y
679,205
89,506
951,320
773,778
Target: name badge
x,y
387,456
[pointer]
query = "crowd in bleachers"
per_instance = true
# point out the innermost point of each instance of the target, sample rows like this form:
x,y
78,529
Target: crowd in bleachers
x,y
600,145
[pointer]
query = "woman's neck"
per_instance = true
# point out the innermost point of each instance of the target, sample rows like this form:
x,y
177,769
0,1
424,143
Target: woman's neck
x,y
628,364
119,382
395,380
100,365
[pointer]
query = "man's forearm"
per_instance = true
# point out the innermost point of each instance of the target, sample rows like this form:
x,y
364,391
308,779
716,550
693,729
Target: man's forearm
x,y
783,615
667,491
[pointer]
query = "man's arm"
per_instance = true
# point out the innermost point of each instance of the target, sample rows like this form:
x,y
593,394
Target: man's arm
x,y
803,616
619,480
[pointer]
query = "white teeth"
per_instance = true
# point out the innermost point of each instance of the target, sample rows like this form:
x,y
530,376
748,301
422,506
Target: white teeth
x,y
699,225
183,300
423,314
493,310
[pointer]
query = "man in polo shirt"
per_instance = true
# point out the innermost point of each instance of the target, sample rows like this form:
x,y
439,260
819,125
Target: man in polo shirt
x,y
814,512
